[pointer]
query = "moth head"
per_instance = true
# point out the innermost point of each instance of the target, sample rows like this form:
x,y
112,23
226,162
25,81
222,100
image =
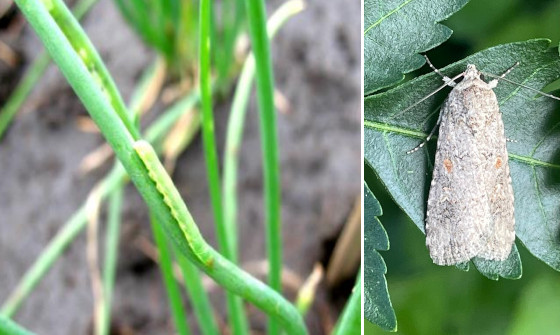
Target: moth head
x,y
471,72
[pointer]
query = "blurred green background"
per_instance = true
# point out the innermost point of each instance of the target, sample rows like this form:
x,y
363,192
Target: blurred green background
x,y
430,299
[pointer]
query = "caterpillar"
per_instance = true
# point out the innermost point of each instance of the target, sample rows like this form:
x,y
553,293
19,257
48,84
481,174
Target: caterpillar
x,y
172,199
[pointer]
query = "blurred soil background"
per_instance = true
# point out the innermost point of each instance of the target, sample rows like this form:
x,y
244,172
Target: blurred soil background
x,y
317,68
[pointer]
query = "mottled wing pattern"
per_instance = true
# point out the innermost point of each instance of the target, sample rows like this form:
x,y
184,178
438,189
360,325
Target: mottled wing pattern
x,y
470,205
458,217
497,180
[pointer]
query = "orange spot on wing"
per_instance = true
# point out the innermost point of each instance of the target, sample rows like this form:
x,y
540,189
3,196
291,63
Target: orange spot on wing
x,y
498,162
448,165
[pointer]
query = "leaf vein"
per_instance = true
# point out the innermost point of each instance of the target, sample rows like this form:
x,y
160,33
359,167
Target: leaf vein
x,y
387,15
419,134
538,194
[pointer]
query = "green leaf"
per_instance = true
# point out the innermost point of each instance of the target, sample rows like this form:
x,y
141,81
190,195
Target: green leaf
x,y
533,122
395,31
377,305
537,308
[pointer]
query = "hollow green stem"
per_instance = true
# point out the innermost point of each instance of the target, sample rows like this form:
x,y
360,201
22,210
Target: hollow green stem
x,y
225,53
208,132
237,317
87,57
111,251
350,320
21,92
9,327
171,286
32,75
256,15
236,120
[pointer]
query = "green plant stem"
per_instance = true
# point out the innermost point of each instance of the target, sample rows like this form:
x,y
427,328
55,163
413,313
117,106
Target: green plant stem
x,y
157,189
111,251
32,75
236,121
350,320
198,297
256,15
9,327
236,313
78,221
21,92
89,59
225,53
171,285
208,132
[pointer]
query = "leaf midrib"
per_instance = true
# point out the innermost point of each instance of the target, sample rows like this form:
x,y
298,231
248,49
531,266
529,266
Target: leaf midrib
x,y
419,134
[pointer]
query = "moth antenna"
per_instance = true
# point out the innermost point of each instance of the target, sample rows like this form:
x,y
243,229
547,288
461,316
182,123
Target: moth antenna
x,y
508,71
427,96
524,86
427,138
433,67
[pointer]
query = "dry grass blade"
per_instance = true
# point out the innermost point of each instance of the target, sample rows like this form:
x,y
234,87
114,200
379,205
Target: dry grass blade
x,y
346,255
8,55
306,294
5,6
95,159
179,138
174,92
85,124
151,93
93,206
282,103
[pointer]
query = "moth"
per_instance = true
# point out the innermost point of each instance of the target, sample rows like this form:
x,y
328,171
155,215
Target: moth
x,y
470,210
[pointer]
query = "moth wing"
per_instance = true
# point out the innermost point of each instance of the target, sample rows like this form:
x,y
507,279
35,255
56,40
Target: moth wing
x,y
459,216
499,190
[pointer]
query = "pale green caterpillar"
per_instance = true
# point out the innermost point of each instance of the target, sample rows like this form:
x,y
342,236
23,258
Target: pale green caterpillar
x,y
173,200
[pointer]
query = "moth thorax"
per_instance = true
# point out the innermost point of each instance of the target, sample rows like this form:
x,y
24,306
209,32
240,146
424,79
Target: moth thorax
x,y
472,72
